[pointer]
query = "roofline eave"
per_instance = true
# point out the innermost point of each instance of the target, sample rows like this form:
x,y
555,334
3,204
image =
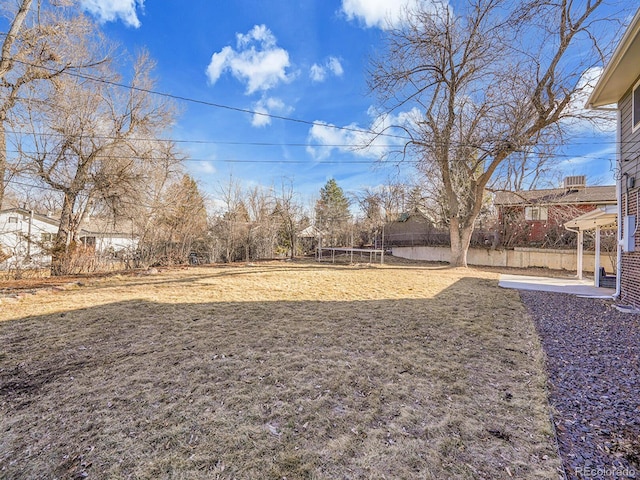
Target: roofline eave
x,y
601,96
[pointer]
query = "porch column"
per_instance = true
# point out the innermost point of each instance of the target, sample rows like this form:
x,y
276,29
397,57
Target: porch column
x,y
596,266
580,253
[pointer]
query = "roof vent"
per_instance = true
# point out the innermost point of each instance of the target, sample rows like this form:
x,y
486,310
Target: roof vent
x,y
575,182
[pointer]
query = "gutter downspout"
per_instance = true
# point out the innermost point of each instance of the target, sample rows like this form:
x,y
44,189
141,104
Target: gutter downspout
x,y
29,235
616,295
619,200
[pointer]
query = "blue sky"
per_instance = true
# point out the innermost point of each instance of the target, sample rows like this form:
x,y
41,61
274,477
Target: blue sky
x,y
304,59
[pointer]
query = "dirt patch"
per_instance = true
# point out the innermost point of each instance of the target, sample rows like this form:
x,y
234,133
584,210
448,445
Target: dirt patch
x,y
281,370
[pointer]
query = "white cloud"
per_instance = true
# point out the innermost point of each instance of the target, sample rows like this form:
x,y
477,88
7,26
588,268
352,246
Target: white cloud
x,y
592,158
359,141
206,166
584,121
335,66
256,61
112,10
318,73
382,13
265,107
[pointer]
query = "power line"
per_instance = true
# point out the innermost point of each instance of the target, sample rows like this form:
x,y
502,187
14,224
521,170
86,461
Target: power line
x,y
83,195
245,143
205,142
228,160
210,104
280,117
285,144
284,161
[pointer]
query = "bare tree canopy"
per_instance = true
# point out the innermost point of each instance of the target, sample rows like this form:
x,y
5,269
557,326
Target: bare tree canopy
x,y
484,82
96,148
43,42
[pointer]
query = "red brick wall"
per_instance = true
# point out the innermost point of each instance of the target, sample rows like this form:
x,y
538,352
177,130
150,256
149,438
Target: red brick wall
x,y
557,215
630,280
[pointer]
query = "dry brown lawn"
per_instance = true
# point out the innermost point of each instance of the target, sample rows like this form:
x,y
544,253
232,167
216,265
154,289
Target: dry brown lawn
x,y
274,371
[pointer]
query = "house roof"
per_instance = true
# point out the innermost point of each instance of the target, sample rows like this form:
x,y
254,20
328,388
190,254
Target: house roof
x,y
415,212
558,196
95,226
99,226
36,216
310,232
622,70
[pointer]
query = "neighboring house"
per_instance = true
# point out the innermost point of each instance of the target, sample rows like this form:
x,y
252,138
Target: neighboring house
x,y
620,84
409,228
309,239
538,216
25,237
105,236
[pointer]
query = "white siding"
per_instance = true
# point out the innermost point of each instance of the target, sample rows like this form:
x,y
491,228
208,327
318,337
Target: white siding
x,y
15,239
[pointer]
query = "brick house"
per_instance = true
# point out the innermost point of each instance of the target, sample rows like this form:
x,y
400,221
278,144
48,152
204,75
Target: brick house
x,y
620,84
537,217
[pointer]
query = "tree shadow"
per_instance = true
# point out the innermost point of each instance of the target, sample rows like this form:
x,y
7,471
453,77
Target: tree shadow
x,y
270,389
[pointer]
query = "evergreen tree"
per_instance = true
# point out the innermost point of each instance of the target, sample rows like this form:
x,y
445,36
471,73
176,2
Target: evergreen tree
x,y
332,214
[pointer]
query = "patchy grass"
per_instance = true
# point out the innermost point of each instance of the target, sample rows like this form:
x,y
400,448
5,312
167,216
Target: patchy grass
x,y
280,370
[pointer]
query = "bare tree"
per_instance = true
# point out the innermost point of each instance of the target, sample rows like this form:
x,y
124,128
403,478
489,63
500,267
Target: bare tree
x,y
530,168
40,46
372,215
180,226
289,212
380,205
262,229
85,141
228,228
493,78
137,192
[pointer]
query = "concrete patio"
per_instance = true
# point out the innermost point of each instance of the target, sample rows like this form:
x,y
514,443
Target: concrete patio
x,y
573,286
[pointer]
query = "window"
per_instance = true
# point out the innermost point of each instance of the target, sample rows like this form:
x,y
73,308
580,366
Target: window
x,y
635,107
46,237
13,220
88,241
536,213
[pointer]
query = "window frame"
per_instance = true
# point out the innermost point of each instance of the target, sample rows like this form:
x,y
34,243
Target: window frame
x,y
635,104
540,212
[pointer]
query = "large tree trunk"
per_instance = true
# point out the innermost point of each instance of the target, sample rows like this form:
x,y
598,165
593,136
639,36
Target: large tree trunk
x,y
460,241
3,161
61,252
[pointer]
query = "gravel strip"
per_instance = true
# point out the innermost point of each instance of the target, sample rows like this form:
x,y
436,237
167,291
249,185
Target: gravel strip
x,y
593,361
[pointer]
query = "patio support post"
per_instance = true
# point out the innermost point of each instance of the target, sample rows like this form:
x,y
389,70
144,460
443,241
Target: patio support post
x,y
580,252
596,267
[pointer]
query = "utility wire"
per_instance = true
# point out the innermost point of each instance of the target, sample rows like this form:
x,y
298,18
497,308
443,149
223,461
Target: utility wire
x,y
210,104
206,142
247,111
284,144
283,161
224,160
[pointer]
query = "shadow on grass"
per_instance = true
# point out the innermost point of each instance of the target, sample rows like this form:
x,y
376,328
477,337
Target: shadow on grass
x,y
445,387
